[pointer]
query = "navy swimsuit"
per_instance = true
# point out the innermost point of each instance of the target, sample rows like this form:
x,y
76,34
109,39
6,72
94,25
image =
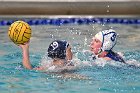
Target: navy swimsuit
x,y
114,56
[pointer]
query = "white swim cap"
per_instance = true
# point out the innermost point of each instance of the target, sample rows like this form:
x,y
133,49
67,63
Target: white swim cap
x,y
108,39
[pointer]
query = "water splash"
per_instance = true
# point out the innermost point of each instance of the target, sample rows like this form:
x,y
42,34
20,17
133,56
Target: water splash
x,y
107,11
133,62
85,42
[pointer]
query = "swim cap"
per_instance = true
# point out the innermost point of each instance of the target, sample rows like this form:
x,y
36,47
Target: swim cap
x,y
57,49
108,39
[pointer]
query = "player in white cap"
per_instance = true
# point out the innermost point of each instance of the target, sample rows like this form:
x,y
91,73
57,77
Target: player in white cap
x,y
103,43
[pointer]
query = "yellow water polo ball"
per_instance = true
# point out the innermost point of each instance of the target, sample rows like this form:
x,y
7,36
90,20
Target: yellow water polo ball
x,y
19,32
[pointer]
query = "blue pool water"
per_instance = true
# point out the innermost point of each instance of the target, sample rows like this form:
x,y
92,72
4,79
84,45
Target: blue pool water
x,y
101,78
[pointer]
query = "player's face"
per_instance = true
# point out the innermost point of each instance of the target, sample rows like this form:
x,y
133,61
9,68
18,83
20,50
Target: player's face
x,y
95,45
68,53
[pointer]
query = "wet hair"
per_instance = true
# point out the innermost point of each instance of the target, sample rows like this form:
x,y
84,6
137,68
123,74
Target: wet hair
x,y
57,49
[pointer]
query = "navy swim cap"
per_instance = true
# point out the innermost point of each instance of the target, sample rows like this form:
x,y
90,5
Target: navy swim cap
x,y
57,49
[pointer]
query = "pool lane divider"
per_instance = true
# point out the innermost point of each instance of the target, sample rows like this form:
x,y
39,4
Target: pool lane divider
x,y
79,21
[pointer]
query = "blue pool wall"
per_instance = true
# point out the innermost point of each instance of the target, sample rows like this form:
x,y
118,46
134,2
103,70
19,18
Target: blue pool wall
x,y
80,21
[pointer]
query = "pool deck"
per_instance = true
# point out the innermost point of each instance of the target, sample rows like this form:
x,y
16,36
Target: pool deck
x,y
70,7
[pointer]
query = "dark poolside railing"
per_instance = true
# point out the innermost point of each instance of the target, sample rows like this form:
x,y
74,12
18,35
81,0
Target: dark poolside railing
x,y
79,21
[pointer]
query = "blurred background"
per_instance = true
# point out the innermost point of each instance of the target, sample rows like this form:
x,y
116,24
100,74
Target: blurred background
x,y
69,7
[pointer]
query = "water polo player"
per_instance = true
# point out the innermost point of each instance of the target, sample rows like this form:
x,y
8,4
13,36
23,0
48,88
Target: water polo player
x,y
59,51
103,43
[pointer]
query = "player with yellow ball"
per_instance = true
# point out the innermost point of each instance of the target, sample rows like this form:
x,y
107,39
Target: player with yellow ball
x,y
20,33
59,50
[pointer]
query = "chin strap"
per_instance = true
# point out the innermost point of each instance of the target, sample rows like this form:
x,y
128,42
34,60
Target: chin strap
x,y
99,52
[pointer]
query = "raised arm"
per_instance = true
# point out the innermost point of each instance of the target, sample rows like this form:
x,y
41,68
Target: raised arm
x,y
25,52
26,60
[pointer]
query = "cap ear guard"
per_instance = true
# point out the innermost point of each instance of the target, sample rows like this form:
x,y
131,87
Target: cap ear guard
x,y
100,51
107,46
67,45
109,39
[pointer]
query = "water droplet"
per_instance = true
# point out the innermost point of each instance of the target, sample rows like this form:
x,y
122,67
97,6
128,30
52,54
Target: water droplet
x,y
52,36
107,11
85,41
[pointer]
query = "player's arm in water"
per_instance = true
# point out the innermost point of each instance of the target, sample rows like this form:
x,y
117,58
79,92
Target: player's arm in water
x,y
26,60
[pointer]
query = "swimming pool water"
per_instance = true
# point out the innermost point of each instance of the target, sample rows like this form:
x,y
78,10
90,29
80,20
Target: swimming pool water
x,y
102,79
